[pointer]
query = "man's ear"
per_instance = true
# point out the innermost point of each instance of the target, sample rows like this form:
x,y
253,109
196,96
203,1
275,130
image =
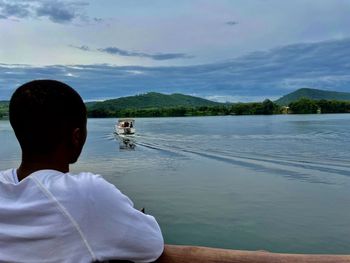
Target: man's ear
x,y
78,138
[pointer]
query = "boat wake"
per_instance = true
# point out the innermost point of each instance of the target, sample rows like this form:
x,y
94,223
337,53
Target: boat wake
x,y
296,167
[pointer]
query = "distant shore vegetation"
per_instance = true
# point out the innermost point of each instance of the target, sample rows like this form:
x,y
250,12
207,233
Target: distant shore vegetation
x,y
267,107
4,109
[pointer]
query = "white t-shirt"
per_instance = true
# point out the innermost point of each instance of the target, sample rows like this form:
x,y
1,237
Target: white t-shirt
x,y
50,216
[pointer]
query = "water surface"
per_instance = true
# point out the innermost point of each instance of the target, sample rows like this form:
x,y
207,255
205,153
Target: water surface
x,y
277,183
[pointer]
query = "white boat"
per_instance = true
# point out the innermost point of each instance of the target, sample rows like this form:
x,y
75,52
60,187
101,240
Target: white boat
x,y
125,126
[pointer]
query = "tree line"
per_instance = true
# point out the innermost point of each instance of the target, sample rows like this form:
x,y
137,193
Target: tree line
x,y
267,107
307,106
257,108
3,110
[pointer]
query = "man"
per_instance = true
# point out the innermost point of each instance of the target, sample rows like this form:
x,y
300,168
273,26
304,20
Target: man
x,y
50,215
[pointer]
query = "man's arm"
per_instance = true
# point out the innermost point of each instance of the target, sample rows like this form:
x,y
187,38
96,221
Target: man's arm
x,y
120,231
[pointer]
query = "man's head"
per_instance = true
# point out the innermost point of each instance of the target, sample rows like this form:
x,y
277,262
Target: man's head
x,y
48,115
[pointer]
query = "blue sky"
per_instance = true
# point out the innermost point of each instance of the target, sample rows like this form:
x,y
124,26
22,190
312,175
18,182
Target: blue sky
x,y
226,50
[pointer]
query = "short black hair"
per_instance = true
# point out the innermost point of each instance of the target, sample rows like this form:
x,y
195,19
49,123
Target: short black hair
x,y
43,112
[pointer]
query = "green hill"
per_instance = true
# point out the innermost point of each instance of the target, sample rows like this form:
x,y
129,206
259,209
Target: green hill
x,y
314,94
151,100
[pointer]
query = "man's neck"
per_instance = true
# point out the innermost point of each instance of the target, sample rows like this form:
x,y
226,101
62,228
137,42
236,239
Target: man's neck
x,y
32,164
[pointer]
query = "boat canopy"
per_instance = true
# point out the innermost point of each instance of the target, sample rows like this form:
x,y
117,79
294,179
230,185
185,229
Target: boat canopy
x,y
126,120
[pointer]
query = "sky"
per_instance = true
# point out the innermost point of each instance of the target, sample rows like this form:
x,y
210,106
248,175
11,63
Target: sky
x,y
225,50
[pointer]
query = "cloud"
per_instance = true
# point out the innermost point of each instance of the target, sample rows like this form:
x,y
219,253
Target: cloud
x,y
125,53
83,47
257,76
14,10
156,56
97,19
231,23
57,11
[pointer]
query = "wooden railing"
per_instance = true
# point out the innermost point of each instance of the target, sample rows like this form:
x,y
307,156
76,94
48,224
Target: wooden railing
x,y
189,254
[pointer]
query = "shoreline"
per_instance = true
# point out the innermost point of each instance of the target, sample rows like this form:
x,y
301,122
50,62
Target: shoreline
x,y
189,116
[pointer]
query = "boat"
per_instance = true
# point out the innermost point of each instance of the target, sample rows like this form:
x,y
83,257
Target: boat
x,y
125,126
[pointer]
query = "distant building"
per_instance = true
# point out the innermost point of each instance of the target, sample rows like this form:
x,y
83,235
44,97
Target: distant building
x,y
285,110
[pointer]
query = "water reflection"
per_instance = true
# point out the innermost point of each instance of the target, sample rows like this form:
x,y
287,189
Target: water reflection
x,y
126,142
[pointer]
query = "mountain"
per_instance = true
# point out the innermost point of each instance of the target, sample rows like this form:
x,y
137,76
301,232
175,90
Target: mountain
x,y
314,94
151,100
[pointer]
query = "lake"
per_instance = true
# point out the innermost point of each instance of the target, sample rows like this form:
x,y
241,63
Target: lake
x,y
279,183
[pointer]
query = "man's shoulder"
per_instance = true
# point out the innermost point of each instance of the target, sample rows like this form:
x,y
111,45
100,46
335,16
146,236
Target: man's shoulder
x,y
87,180
6,171
84,177
85,190
7,175
83,183
47,176
96,185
